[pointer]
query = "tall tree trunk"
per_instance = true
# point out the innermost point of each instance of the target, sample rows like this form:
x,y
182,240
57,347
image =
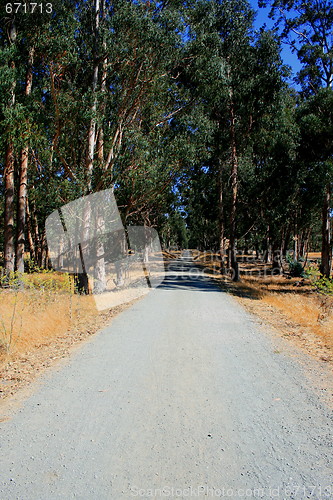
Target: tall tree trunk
x,y
268,247
305,242
100,134
9,251
23,179
92,126
99,265
9,179
296,255
44,251
276,258
121,246
296,237
326,250
36,233
82,278
29,233
234,191
286,241
221,217
257,251
21,210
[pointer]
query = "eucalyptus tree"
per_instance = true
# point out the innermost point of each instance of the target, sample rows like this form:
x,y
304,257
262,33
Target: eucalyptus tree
x,y
271,197
307,27
8,106
239,75
129,89
27,38
315,117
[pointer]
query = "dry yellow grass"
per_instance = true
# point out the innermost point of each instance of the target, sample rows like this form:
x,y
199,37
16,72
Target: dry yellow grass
x,y
31,318
301,305
46,308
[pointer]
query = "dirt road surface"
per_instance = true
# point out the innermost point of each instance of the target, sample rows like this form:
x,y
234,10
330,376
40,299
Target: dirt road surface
x,y
183,396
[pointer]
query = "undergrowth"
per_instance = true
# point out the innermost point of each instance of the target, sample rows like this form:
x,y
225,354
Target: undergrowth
x,y
31,304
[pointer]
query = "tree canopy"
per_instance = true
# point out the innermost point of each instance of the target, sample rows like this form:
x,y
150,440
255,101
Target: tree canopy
x,y
181,108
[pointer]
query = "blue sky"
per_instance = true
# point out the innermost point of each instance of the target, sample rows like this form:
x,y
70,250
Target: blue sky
x,y
261,19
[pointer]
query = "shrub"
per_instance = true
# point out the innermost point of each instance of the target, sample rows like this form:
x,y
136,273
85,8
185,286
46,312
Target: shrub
x,y
30,266
312,273
43,297
324,285
296,269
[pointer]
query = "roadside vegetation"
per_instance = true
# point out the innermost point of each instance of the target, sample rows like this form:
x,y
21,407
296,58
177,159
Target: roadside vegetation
x,y
35,307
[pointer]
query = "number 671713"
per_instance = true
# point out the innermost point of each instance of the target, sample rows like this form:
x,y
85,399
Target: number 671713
x,y
28,8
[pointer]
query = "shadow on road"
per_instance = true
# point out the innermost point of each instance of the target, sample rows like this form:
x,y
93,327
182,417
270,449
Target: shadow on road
x,y
186,275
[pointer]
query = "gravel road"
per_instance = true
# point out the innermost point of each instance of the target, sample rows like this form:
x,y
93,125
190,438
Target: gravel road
x,y
184,395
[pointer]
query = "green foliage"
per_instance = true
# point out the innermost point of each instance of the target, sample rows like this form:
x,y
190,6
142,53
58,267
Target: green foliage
x,y
319,283
39,279
308,28
174,232
324,285
312,273
11,280
296,269
31,266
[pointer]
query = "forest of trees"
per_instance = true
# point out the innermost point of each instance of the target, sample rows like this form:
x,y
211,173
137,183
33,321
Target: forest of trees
x,y
183,109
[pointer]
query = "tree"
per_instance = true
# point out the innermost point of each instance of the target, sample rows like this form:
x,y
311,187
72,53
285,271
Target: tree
x,y
23,179
26,41
307,26
239,76
270,199
316,152
9,166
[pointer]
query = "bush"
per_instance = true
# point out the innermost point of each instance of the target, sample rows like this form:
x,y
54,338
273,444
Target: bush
x,y
319,283
40,279
30,266
296,269
312,273
324,285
